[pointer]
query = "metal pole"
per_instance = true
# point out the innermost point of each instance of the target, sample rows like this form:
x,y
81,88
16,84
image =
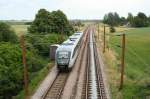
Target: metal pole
x,y
25,66
122,61
79,27
98,31
61,38
104,41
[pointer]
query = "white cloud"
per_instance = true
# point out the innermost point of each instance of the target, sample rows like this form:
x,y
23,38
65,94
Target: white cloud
x,y
75,9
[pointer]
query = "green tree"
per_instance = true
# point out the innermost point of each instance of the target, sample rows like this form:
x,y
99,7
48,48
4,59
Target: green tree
x,y
149,20
123,21
130,18
60,21
117,19
7,34
11,68
112,19
140,20
109,19
41,22
48,22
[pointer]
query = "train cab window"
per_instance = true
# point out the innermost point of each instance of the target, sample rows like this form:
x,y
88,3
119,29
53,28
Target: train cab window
x,y
63,55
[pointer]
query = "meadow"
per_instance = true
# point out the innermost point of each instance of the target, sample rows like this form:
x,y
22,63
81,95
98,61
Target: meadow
x,y
137,63
20,29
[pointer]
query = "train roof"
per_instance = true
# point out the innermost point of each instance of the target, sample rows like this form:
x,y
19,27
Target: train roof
x,y
78,33
70,43
66,46
75,36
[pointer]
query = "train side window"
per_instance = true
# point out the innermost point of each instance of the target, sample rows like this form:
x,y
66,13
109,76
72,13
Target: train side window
x,y
76,47
74,51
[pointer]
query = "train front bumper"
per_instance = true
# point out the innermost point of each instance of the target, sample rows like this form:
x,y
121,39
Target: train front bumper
x,y
63,63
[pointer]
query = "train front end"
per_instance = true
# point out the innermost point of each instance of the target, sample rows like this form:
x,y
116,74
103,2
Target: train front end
x,y
63,58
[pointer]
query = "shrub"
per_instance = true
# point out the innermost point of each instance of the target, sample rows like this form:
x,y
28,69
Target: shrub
x,y
41,43
11,68
7,34
112,29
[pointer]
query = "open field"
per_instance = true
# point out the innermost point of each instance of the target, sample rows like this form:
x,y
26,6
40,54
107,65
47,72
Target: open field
x,y
20,29
137,65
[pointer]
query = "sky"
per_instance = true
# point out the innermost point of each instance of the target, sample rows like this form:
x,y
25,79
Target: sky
x,y
74,9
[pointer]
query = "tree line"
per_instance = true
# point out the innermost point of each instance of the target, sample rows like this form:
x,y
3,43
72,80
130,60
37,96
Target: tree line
x,y
140,20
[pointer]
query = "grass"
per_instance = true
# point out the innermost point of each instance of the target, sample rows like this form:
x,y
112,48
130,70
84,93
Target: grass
x,y
20,29
137,63
33,85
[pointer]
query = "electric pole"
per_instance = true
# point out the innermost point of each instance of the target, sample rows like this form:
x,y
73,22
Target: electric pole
x,y
104,40
122,61
22,44
62,33
98,31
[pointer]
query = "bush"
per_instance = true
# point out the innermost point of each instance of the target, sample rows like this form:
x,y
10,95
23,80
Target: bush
x,y
11,68
41,43
112,29
7,34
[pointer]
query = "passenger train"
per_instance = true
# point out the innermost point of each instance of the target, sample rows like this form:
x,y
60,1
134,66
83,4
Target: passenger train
x,y
67,52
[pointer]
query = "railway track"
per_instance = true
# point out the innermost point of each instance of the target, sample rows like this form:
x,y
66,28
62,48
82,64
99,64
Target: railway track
x,y
101,89
93,82
93,86
56,89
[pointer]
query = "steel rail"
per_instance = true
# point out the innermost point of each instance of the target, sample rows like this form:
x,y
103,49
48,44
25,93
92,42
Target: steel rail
x,y
100,83
57,94
57,86
99,78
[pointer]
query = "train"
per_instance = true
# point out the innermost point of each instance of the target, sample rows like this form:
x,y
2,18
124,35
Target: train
x,y
67,52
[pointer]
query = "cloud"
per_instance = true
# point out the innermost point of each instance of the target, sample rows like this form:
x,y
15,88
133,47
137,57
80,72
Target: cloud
x,y
75,9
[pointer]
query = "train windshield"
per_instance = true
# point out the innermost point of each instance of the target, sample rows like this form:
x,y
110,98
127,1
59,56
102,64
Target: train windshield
x,y
63,55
